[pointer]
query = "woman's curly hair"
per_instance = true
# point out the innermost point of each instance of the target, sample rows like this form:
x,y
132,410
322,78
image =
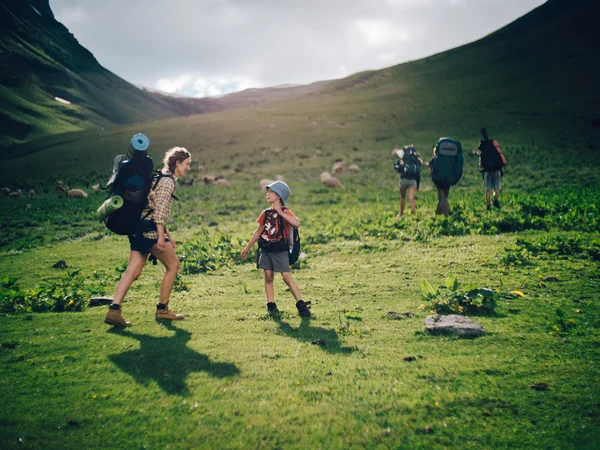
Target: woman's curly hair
x,y
174,155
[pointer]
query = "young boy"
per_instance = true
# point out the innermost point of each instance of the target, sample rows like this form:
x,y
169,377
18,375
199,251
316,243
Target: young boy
x,y
273,233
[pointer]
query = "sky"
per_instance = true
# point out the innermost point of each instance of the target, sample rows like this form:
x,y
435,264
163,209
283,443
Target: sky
x,y
204,48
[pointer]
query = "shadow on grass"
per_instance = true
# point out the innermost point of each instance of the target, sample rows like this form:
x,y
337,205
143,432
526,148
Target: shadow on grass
x,y
167,360
329,339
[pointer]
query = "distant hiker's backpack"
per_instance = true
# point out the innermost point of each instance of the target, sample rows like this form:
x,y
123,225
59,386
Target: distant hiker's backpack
x,y
447,165
132,181
411,167
491,157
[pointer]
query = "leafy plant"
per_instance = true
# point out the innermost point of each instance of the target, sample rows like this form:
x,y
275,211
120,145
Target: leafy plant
x,y
473,300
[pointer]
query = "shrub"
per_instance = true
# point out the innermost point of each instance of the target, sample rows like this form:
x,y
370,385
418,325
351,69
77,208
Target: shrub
x,y
68,293
208,253
473,300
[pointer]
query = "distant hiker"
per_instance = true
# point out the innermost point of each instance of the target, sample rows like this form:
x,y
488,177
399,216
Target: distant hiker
x,y
409,168
152,236
491,163
445,168
273,234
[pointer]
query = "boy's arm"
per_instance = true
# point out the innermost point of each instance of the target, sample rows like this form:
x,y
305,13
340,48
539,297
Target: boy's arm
x,y
289,217
252,241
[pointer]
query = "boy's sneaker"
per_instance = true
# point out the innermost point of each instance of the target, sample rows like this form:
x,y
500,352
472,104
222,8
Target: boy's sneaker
x,y
302,308
115,318
496,203
272,309
167,314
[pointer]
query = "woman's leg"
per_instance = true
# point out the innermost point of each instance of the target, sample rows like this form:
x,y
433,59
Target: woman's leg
x,y
402,200
269,290
136,263
171,263
411,200
287,277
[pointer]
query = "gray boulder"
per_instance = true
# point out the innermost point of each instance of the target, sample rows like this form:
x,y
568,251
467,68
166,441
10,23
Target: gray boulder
x,y
454,325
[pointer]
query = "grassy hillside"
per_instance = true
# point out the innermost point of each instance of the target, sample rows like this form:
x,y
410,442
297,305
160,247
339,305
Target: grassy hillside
x,y
351,377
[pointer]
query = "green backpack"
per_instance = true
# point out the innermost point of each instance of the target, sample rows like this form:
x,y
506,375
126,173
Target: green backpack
x,y
447,165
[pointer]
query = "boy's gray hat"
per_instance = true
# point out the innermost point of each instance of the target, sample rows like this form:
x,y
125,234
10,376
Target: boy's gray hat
x,y
281,189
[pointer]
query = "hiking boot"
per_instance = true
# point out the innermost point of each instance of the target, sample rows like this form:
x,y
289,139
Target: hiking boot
x,y
115,318
489,207
302,308
168,314
496,203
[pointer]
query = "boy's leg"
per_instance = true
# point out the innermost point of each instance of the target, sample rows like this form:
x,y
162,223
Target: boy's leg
x,y
136,263
487,198
171,263
269,286
300,305
287,277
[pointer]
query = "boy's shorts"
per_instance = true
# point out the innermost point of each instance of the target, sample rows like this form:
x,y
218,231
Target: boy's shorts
x,y
491,180
274,261
406,183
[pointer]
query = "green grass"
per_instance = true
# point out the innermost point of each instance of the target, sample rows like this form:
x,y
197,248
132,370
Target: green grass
x,y
228,376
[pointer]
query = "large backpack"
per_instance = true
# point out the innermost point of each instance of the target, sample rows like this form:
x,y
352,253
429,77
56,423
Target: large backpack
x,y
132,181
491,157
447,165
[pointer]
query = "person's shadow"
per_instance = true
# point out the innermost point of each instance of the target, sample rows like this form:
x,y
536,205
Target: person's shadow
x,y
167,360
326,338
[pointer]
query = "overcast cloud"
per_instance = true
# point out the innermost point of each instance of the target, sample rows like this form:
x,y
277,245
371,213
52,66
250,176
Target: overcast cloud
x,y
205,48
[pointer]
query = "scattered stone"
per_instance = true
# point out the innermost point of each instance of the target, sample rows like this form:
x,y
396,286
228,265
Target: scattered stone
x,y
89,330
406,239
410,358
399,315
9,345
428,429
539,386
320,342
60,264
551,279
453,324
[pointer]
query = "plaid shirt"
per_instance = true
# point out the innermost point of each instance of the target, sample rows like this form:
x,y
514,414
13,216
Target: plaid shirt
x,y
160,201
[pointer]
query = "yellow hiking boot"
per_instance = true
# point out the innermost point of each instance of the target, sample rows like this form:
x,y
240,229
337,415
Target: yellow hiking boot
x,y
115,318
167,314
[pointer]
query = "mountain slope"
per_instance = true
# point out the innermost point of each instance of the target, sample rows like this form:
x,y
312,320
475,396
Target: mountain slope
x,y
41,60
532,83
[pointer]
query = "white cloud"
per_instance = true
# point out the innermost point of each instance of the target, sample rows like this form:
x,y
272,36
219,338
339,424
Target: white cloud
x,y
71,15
378,33
197,86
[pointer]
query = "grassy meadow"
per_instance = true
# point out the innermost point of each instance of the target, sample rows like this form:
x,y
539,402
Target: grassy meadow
x,y
350,377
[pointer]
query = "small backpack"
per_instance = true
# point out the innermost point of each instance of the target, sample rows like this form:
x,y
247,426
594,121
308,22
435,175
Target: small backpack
x,y
447,165
132,181
491,157
292,247
295,250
